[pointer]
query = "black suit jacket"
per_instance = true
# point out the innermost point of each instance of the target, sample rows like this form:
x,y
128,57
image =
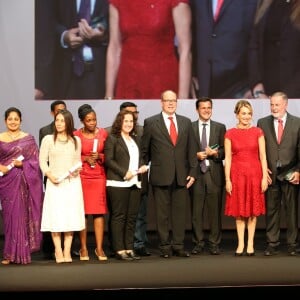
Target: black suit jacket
x,y
117,157
168,161
220,49
48,129
288,152
217,133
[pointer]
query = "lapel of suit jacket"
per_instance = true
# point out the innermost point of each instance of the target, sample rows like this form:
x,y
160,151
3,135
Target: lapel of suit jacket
x,y
162,126
287,126
271,126
195,126
123,144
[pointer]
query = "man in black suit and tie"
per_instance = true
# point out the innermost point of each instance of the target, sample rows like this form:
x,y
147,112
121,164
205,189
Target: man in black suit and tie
x,y
283,155
172,171
207,191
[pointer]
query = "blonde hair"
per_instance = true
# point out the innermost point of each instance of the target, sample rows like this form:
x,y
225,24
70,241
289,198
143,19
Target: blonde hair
x,y
242,103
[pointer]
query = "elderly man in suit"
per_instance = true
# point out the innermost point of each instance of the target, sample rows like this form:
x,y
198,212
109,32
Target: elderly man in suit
x,y
282,134
170,145
207,191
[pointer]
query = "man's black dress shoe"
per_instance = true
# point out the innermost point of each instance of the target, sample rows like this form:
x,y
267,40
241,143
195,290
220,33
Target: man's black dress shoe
x,y
142,251
165,254
292,250
181,253
123,256
215,250
271,251
133,255
197,250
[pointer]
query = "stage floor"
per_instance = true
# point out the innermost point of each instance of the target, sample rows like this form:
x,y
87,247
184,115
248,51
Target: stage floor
x,y
156,275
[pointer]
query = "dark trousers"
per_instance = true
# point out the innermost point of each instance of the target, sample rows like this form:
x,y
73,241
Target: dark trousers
x,y
125,203
286,194
206,195
170,206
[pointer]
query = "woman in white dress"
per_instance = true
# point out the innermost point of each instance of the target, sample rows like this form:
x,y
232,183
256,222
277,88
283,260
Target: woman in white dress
x,y
63,208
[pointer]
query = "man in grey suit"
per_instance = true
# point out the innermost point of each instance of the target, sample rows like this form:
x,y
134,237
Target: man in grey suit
x,y
282,156
172,172
207,191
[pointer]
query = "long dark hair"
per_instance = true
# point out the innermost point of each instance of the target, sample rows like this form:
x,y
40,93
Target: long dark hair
x,y
69,121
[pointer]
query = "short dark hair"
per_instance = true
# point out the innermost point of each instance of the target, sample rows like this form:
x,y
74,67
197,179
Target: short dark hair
x,y
57,102
203,99
124,105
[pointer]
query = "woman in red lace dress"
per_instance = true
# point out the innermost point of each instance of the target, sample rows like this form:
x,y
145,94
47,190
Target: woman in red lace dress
x,y
246,175
142,60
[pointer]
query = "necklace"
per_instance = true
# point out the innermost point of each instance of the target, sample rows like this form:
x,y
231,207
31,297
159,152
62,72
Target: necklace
x,y
13,137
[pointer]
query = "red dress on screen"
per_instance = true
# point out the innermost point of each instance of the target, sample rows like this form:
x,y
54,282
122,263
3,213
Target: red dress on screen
x,y
246,199
148,63
93,179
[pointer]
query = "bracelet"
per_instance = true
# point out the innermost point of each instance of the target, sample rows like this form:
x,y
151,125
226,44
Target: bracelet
x,y
108,98
257,93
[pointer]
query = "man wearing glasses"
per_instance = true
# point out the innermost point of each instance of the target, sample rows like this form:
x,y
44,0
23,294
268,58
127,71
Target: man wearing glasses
x,y
169,143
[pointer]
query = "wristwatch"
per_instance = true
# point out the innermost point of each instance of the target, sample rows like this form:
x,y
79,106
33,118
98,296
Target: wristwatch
x,y
257,93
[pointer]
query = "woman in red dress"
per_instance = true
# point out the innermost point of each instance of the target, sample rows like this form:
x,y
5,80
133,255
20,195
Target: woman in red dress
x,y
93,178
142,59
246,175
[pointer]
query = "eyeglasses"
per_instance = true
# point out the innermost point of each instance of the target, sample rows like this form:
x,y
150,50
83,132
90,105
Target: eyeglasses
x,y
170,101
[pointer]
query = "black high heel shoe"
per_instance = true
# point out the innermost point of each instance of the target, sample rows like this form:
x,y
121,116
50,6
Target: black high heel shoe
x,y
238,254
250,253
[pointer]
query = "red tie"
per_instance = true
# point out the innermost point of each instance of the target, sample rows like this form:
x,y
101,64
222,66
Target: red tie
x,y
280,130
173,132
218,8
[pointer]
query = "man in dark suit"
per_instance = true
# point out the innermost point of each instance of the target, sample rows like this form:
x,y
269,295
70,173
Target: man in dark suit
x,y
274,50
55,107
207,191
86,34
172,171
282,156
220,47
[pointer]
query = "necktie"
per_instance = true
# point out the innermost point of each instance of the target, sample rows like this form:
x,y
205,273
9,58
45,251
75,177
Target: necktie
x,y
218,8
83,13
173,132
203,165
280,130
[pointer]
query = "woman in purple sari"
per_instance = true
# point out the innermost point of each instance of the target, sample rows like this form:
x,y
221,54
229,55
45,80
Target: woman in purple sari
x,y
21,191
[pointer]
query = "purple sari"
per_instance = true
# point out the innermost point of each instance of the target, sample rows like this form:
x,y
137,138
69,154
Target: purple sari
x,y
21,196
